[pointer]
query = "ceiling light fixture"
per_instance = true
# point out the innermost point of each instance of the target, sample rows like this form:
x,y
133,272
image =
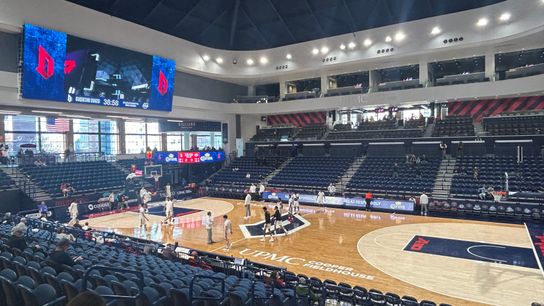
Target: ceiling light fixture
x,y
315,51
206,58
263,60
436,31
482,22
324,50
400,36
219,60
288,56
388,39
505,17
249,61
342,47
367,42
351,45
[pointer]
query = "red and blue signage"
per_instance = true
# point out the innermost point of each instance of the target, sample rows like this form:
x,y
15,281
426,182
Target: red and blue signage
x,y
195,157
65,68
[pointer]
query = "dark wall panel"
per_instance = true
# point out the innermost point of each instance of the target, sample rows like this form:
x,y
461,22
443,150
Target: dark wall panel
x,y
9,46
197,87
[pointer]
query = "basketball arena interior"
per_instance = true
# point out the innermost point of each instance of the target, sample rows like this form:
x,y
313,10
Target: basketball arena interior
x,y
271,152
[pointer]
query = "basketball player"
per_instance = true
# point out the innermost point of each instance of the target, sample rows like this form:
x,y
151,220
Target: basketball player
x,y
227,227
156,178
253,189
424,202
321,199
267,225
261,191
169,211
168,191
291,204
142,216
247,205
146,199
296,203
73,211
278,222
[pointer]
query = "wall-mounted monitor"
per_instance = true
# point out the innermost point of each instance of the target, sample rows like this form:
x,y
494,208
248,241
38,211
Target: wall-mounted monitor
x,y
65,68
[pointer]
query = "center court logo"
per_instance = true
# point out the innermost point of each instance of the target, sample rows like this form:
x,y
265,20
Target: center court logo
x,y
302,262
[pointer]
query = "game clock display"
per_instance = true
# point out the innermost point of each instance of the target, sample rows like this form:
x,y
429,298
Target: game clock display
x,y
65,68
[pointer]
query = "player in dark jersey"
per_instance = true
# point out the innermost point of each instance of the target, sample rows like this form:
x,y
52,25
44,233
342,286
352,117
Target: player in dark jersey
x,y
278,222
267,225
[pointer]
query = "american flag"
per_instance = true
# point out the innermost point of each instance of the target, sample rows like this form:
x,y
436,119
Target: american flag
x,y
59,125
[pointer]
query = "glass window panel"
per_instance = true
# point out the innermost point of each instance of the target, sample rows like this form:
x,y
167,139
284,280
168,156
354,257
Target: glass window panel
x,y
109,144
14,140
21,123
218,141
108,127
153,128
53,143
173,142
132,127
135,144
86,143
154,141
203,141
85,126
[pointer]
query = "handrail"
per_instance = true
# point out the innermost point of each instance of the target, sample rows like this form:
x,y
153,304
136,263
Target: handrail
x,y
140,275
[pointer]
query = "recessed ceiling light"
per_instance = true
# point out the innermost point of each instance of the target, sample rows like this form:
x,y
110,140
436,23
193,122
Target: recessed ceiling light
x,y
324,50
342,47
400,36
263,60
206,58
315,51
505,16
249,61
367,42
351,45
482,22
288,56
219,60
388,39
436,31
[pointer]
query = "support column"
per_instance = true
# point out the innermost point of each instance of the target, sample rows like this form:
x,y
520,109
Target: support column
x,y
164,142
3,132
424,74
122,136
372,80
69,139
251,90
186,141
283,89
490,66
194,140
324,84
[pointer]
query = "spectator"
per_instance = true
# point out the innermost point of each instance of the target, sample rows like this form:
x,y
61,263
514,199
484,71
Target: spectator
x,y
86,227
368,199
331,189
275,280
248,175
16,240
482,193
169,252
61,234
77,225
111,200
42,209
476,173
460,148
443,148
396,170
21,226
87,298
60,257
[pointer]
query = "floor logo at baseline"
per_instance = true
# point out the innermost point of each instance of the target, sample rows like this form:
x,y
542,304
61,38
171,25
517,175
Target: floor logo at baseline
x,y
503,254
255,230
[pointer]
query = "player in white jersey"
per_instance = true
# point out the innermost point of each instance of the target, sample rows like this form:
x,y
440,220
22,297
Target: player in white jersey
x,y
227,228
321,199
169,211
143,218
291,204
247,206
73,211
296,203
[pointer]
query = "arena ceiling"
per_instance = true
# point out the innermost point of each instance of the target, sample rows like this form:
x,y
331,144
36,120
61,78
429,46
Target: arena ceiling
x,y
263,24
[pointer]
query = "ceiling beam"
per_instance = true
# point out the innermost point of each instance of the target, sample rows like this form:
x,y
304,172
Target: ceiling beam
x,y
213,23
314,17
189,12
150,13
233,23
351,20
283,21
252,23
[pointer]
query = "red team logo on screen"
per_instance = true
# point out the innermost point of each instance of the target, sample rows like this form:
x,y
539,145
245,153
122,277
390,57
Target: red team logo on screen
x,y
46,64
163,84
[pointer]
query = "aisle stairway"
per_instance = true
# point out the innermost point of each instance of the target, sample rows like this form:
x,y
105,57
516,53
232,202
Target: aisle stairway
x,y
26,184
273,173
349,174
442,185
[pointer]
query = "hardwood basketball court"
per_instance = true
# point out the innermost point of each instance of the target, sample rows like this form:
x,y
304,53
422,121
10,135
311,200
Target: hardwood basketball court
x,y
374,250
